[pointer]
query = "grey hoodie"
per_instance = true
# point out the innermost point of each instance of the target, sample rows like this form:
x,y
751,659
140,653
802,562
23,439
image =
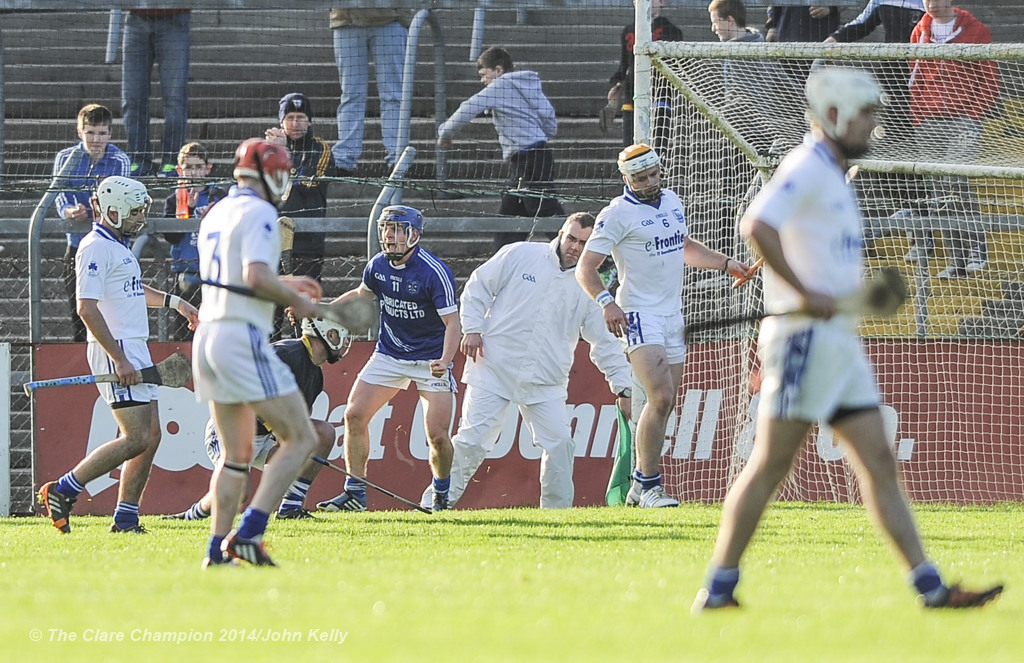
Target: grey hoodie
x,y
523,116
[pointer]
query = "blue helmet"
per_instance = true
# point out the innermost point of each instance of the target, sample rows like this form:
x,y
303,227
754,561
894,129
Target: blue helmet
x,y
410,218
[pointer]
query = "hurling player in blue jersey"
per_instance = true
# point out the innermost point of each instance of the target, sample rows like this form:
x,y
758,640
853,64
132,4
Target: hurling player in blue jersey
x,y
419,335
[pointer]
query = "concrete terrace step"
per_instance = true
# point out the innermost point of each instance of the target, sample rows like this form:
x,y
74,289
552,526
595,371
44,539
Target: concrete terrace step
x,y
59,98
207,51
212,58
45,136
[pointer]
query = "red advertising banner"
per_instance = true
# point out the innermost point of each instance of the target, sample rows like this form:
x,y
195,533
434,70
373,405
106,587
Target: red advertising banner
x,y
952,410
72,421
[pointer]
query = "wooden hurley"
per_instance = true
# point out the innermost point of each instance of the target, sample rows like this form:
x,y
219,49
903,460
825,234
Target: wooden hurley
x,y
175,371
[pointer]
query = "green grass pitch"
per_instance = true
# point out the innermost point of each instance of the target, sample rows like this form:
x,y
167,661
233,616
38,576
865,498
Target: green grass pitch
x,y
597,584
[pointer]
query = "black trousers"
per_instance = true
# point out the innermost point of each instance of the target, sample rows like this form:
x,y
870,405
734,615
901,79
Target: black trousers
x,y
533,170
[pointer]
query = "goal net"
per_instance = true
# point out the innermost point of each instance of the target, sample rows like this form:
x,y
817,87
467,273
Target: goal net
x,y
942,196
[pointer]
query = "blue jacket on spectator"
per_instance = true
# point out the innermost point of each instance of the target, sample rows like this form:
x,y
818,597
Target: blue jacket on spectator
x,y
83,179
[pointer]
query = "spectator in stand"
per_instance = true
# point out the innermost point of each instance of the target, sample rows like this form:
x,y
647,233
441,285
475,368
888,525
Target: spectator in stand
x,y
758,101
161,36
948,100
897,18
729,22
621,81
525,121
796,23
758,94
311,162
786,23
101,160
357,33
190,200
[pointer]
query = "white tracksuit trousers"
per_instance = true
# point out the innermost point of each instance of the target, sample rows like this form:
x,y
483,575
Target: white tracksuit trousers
x,y
483,414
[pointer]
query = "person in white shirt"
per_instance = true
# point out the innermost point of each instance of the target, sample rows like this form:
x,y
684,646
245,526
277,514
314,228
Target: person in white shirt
x,y
112,302
235,367
807,225
645,232
522,314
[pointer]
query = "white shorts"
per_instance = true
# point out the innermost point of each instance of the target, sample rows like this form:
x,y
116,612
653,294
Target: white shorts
x,y
398,373
137,351
812,371
651,329
261,446
233,363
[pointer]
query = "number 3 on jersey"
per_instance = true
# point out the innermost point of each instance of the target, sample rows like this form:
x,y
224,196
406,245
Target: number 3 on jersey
x,y
215,258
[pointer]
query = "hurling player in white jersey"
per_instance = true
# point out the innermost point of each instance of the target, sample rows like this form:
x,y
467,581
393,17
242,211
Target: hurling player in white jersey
x,y
419,335
235,368
322,341
645,232
807,226
112,302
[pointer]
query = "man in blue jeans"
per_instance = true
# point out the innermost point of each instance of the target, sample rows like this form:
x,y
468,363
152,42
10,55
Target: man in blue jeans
x,y
357,33
161,36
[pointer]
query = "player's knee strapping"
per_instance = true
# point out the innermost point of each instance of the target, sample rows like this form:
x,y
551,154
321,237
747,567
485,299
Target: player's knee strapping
x,y
241,468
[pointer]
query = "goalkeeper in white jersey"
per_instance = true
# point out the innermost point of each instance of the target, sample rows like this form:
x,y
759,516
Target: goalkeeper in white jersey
x,y
645,232
807,225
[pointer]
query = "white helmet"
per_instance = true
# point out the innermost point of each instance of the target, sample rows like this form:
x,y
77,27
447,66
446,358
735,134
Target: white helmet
x,y
321,329
637,158
846,89
123,195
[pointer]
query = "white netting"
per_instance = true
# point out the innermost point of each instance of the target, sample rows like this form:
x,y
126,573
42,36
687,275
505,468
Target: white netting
x,y
949,173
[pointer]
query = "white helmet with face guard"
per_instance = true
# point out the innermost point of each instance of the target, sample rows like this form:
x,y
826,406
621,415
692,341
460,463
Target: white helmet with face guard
x,y
846,89
321,329
129,199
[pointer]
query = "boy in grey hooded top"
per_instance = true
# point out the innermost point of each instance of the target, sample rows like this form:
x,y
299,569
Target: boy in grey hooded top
x,y
525,121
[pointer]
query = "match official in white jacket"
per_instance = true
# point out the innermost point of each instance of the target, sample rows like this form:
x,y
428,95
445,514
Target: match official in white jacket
x,y
522,314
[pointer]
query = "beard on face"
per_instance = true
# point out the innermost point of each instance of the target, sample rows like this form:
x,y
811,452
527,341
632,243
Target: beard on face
x,y
853,151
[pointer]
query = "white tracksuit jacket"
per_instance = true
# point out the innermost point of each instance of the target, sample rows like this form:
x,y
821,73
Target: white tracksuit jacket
x,y
531,314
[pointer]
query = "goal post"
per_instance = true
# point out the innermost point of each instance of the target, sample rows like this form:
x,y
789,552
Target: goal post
x,y
942,196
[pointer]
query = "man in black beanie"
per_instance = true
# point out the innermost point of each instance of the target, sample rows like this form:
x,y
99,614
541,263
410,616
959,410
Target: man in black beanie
x,y
311,161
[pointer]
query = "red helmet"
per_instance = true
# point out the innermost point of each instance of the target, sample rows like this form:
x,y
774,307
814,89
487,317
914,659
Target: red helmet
x,y
268,163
